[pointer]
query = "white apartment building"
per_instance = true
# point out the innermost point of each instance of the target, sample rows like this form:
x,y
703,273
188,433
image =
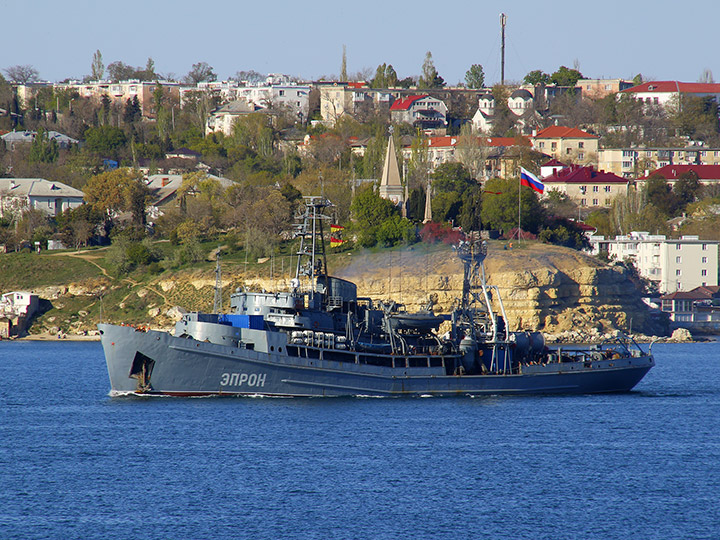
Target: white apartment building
x,y
674,264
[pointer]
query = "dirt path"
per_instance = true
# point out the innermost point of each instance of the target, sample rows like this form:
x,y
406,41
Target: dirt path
x,y
90,257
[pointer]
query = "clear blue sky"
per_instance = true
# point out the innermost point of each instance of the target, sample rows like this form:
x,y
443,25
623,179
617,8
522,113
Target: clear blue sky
x,y
610,38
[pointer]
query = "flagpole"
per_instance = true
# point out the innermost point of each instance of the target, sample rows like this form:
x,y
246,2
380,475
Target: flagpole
x,y
519,186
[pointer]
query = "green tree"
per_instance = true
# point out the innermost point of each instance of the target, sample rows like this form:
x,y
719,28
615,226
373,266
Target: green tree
x,y
687,188
536,77
697,117
133,112
255,131
105,141
475,76
43,149
500,206
659,194
97,68
385,77
343,65
121,190
565,76
430,77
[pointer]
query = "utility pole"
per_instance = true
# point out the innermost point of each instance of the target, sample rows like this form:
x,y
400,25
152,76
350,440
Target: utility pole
x,y
503,21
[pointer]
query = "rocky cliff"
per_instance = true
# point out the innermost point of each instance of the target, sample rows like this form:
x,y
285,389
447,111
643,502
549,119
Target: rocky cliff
x,y
556,290
543,287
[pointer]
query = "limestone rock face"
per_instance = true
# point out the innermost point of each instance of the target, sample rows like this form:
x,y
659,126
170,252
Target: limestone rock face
x,y
542,287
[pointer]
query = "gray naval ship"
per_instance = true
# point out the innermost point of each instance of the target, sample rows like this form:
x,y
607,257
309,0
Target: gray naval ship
x,y
322,339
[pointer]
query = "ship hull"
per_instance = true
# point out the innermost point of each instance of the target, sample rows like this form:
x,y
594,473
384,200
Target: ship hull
x,y
158,363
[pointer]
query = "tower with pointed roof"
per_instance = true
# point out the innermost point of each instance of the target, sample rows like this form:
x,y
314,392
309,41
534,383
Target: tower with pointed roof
x,y
391,187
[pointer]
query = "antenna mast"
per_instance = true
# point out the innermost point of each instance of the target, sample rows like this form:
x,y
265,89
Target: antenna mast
x,y
503,21
217,307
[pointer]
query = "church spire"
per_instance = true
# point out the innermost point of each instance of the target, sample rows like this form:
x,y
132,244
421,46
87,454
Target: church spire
x,y
390,184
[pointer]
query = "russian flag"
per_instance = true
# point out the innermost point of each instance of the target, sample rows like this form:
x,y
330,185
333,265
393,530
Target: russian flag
x,y
530,180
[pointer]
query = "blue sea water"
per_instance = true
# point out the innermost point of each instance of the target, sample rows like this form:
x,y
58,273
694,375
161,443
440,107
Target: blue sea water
x,y
75,463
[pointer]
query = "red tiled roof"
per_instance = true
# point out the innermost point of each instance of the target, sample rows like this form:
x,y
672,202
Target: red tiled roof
x,y
575,174
553,163
356,84
444,142
673,172
562,132
704,292
674,86
406,103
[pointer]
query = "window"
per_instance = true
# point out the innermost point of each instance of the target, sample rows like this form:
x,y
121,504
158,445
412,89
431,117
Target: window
x,y
281,92
583,189
583,202
596,202
678,246
704,247
607,202
596,189
627,164
553,146
581,155
541,145
656,101
678,272
568,150
581,145
607,189
704,260
678,260
703,273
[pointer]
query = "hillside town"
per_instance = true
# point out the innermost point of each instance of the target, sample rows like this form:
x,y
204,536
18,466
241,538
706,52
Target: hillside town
x,y
626,170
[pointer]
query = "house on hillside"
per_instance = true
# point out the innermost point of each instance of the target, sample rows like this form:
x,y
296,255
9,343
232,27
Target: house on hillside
x,y
706,174
53,198
223,118
668,94
14,138
567,143
421,111
521,103
586,186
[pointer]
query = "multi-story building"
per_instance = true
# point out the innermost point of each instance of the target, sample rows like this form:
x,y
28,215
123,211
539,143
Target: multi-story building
x,y
422,111
668,94
567,144
338,99
121,92
706,174
600,88
634,162
674,264
586,186
293,97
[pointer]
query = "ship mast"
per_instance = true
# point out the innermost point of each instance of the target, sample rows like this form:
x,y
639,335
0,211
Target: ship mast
x,y
312,242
